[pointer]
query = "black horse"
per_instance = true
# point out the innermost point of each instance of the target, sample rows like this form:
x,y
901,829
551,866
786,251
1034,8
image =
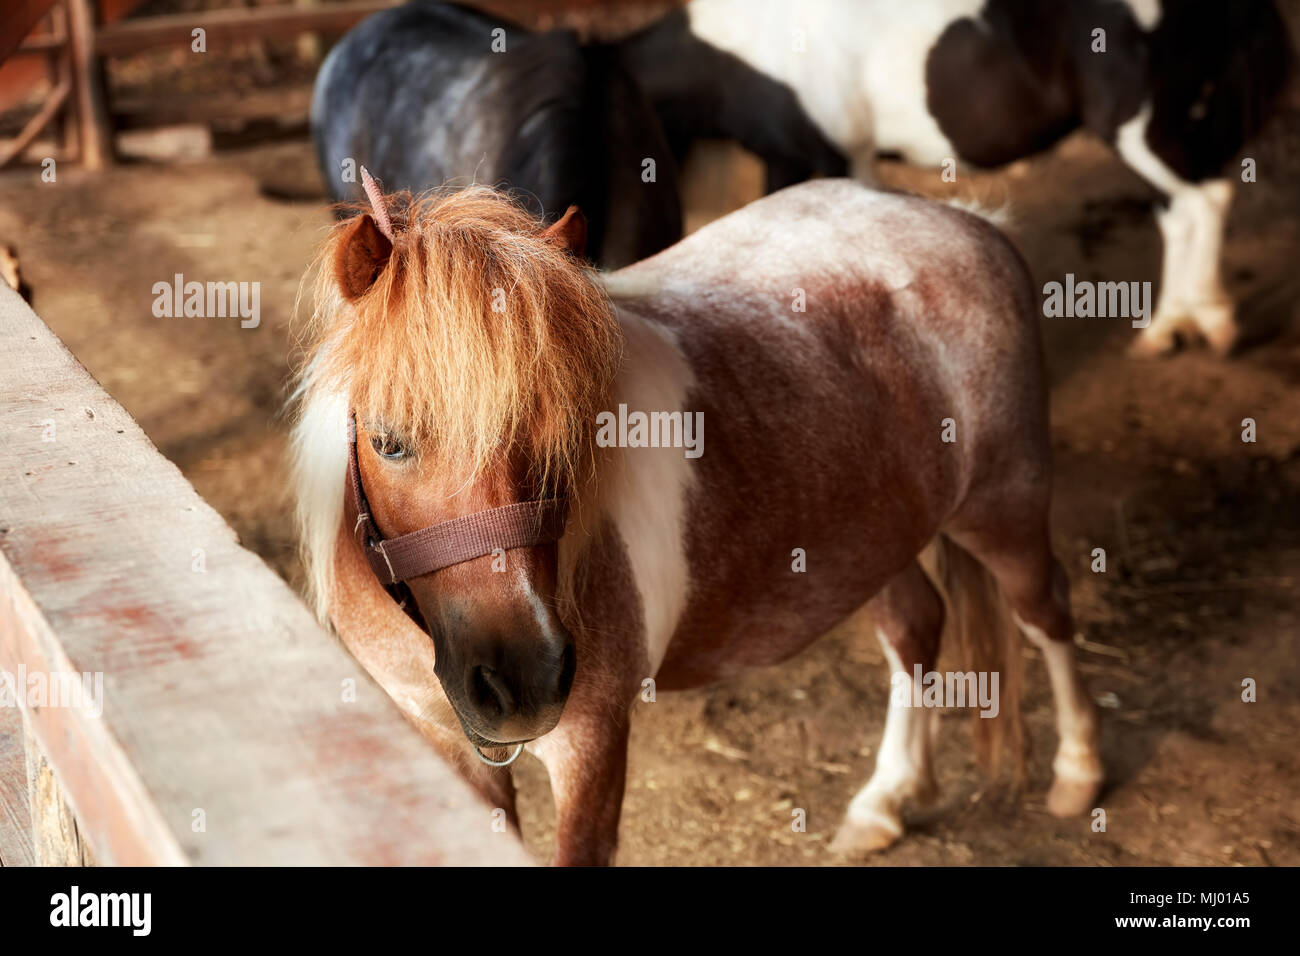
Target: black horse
x,y
432,93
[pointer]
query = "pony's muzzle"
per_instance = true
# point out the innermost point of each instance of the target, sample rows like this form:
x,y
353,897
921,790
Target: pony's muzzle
x,y
516,697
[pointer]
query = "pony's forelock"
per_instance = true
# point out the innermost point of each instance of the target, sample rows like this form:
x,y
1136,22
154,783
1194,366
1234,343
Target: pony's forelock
x,y
479,337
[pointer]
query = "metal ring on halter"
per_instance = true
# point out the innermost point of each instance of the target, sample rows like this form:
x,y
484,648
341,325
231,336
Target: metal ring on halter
x,y
500,763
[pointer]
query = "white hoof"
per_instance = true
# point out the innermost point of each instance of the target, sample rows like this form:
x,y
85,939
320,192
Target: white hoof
x,y
1157,339
863,837
1072,797
1217,322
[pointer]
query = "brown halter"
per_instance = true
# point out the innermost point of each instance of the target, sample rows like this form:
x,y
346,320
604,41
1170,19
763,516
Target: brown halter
x,y
439,546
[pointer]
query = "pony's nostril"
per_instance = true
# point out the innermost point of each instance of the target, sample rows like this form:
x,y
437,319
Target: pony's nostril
x,y
491,693
568,666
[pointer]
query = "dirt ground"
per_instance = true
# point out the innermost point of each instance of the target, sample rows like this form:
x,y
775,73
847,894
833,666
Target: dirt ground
x,y
1199,527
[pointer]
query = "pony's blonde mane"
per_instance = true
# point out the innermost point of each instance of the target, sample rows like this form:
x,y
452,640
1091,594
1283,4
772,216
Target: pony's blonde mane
x,y
480,337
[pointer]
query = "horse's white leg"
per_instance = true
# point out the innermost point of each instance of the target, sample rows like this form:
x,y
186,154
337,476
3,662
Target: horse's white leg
x,y
909,617
1038,591
1076,770
1191,286
1171,311
903,772
1212,309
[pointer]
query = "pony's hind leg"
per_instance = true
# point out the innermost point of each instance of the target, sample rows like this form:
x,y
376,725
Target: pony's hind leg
x,y
1036,587
909,616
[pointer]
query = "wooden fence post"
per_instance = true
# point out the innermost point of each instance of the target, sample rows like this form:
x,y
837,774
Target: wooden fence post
x,y
94,133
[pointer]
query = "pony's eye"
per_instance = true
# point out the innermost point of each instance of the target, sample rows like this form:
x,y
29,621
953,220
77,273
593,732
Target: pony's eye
x,y
386,446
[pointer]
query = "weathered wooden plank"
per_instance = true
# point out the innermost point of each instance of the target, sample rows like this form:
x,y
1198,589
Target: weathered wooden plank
x,y
225,735
15,813
42,44
56,839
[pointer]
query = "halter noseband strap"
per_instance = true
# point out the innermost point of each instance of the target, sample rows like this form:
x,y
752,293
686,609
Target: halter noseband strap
x,y
439,546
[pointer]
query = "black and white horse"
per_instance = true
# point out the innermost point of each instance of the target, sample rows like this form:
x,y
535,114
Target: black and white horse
x,y
1175,86
431,94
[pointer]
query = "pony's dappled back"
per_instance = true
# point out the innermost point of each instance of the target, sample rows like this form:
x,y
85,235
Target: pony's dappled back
x,y
479,334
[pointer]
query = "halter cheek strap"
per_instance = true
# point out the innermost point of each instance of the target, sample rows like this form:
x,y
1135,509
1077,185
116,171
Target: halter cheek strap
x,y
394,560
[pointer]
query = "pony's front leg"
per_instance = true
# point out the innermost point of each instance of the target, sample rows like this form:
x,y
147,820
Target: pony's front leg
x,y
909,617
1212,308
586,758
1192,295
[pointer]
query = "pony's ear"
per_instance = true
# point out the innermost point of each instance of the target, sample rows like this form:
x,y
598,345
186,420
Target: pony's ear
x,y
569,232
362,255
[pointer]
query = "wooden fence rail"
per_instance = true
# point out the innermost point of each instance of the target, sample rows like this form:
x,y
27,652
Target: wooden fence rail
x,y
223,731
236,25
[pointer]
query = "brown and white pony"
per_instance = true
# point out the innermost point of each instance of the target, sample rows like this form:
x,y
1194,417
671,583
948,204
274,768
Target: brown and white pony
x,y
869,369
